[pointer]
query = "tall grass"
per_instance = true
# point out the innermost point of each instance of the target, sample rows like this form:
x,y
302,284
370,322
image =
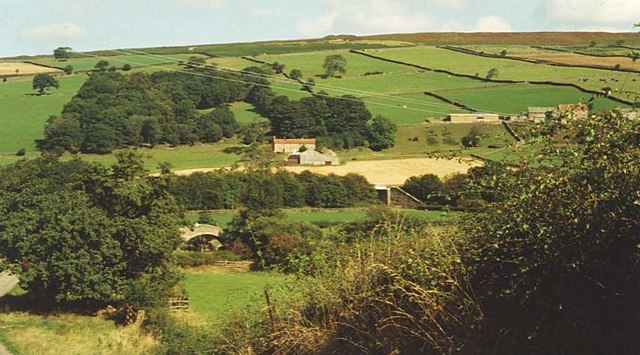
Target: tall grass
x,y
396,290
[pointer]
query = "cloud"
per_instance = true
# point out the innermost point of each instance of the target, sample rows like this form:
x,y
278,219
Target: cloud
x,y
365,17
595,13
492,24
199,4
70,8
56,31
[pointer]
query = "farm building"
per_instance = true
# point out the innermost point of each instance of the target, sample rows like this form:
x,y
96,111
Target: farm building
x,y
539,114
632,114
573,111
393,195
472,118
312,157
292,145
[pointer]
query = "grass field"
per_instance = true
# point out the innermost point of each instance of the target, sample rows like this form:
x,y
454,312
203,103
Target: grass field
x,y
23,114
218,295
223,217
471,65
516,98
30,334
245,113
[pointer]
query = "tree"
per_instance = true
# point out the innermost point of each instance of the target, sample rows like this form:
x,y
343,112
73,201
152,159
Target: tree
x,y
278,68
295,74
333,64
68,70
472,139
503,53
42,82
101,65
126,67
61,53
96,235
382,133
555,259
427,188
492,73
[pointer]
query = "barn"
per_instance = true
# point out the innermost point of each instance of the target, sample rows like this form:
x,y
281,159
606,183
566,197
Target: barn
x,y
312,157
539,114
292,145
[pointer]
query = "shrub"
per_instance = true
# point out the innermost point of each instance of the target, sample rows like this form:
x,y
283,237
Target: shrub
x,y
21,152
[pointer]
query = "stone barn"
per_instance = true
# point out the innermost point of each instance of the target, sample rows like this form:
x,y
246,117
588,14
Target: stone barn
x,y
539,114
312,157
393,195
292,145
472,118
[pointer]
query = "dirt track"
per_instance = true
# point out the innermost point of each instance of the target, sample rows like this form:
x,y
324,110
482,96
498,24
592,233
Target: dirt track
x,y
392,172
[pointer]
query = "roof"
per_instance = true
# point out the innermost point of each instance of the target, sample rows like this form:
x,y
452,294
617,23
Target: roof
x,y
540,109
294,141
478,114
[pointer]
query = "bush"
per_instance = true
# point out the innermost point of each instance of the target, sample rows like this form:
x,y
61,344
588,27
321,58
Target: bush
x,y
21,152
196,258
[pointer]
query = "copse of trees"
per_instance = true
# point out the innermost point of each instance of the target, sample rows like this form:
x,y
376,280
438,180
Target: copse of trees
x,y
265,190
81,234
337,122
113,110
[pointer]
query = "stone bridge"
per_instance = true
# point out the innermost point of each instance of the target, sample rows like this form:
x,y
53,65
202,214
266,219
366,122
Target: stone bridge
x,y
198,230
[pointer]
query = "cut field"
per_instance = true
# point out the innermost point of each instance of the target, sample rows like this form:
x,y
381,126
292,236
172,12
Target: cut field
x,y
395,171
567,57
19,68
23,114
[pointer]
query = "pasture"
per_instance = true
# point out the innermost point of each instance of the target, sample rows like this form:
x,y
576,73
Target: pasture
x,y
218,296
324,215
134,60
433,57
23,114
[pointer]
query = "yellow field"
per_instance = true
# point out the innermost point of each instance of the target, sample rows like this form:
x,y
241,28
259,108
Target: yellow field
x,y
390,172
9,68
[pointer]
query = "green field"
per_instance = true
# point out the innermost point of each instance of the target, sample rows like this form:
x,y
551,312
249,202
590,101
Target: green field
x,y
219,295
135,60
245,113
433,57
223,217
23,114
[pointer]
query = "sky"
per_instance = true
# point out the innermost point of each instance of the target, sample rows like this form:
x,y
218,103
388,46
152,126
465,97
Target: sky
x,y
39,26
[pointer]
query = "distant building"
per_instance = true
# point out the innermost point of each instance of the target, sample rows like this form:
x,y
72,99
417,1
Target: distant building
x,y
312,157
572,111
540,114
472,118
292,145
632,114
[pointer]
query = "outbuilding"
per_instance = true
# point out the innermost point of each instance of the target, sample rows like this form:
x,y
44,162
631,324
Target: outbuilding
x,y
312,157
472,118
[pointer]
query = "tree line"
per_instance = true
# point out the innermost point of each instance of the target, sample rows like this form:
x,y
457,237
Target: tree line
x,y
267,190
